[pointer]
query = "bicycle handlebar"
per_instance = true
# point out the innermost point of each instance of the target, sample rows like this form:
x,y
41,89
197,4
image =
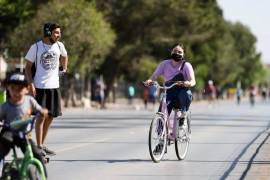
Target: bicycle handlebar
x,y
155,83
19,125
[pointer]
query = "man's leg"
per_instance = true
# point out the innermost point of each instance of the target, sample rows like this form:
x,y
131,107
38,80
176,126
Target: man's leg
x,y
46,126
39,130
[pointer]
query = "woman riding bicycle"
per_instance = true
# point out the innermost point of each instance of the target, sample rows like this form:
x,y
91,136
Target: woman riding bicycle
x,y
176,69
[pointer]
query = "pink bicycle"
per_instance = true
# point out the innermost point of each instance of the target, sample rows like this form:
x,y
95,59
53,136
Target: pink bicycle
x,y
164,132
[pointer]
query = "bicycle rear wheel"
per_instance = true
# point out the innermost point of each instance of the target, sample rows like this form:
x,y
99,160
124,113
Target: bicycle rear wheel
x,y
157,139
182,141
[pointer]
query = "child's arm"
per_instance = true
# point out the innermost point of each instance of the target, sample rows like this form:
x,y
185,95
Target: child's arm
x,y
44,112
37,108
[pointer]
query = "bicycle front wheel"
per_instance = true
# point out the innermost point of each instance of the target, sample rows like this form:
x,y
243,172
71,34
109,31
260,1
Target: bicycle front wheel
x,y
10,171
182,141
157,139
34,173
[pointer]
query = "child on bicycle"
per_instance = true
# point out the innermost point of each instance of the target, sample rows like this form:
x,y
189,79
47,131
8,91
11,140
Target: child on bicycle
x,y
18,106
176,69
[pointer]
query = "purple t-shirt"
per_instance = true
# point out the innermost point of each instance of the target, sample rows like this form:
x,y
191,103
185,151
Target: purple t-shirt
x,y
168,71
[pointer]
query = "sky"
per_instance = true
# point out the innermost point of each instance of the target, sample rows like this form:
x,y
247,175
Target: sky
x,y
255,15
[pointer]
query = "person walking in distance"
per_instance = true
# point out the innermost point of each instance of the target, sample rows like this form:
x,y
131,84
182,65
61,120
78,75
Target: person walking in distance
x,y
49,58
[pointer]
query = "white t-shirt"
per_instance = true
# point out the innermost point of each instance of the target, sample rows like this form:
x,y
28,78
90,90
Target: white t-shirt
x,y
47,63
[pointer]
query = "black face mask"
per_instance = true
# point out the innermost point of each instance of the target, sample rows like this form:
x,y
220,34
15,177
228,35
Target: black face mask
x,y
177,57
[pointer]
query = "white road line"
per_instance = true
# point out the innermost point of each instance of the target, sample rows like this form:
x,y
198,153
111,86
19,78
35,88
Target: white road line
x,y
81,145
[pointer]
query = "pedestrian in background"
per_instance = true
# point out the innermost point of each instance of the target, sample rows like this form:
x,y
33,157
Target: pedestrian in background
x,y
145,96
239,93
152,94
210,91
252,94
131,93
101,92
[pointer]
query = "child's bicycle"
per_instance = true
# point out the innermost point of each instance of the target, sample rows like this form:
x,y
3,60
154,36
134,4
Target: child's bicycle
x,y
162,133
27,167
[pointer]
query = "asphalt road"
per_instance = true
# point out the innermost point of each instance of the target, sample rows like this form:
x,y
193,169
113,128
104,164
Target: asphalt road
x,y
227,142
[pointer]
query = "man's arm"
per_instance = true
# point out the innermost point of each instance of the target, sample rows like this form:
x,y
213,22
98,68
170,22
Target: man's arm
x,y
64,62
28,73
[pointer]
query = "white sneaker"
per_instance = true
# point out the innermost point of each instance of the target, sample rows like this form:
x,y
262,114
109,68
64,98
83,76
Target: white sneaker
x,y
181,114
184,115
184,126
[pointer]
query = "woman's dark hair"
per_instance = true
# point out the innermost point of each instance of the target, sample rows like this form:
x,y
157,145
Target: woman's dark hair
x,y
178,44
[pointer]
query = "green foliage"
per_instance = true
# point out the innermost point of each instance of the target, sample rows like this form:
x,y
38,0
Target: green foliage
x,y
13,13
144,68
87,36
143,33
217,49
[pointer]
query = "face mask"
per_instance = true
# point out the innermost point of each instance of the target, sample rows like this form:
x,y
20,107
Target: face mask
x,y
177,57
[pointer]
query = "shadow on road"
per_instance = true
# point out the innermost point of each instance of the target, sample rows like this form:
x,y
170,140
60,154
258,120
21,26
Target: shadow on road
x,y
104,160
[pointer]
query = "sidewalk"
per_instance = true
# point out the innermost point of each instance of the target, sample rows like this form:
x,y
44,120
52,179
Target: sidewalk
x,y
123,104
259,164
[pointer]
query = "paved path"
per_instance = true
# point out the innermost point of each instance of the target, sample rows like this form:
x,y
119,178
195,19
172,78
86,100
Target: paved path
x,y
227,142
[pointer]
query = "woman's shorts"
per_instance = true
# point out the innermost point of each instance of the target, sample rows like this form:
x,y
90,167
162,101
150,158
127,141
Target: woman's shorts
x,y
50,99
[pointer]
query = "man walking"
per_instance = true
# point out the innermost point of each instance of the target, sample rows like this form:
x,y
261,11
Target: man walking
x,y
43,62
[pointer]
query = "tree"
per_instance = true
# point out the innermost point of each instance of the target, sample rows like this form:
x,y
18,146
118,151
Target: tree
x,y
87,36
150,29
12,13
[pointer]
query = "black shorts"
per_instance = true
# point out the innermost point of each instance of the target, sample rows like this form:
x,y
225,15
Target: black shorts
x,y
50,99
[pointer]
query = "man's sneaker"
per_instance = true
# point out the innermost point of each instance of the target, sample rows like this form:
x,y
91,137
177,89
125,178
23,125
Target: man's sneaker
x,y
41,151
48,151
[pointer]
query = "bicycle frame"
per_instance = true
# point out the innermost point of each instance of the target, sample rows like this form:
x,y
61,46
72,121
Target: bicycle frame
x,y
163,131
30,159
164,111
22,165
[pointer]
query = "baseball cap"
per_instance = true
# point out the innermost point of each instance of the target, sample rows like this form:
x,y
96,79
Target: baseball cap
x,y
17,78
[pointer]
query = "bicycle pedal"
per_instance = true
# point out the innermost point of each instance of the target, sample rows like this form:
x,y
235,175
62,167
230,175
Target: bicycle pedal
x,y
46,160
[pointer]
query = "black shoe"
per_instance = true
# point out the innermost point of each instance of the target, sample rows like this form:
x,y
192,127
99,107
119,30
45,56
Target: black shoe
x,y
181,121
48,151
41,151
158,149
